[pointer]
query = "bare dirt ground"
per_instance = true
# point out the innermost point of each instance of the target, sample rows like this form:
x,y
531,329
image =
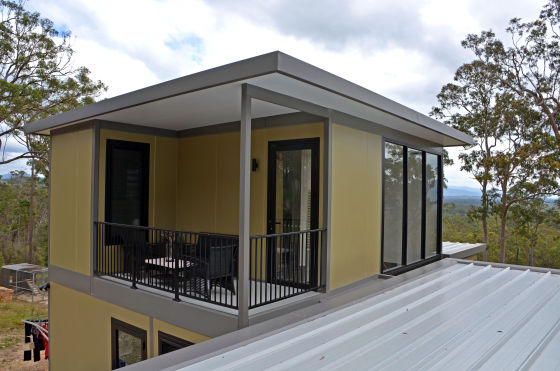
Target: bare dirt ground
x,y
39,299
12,334
12,358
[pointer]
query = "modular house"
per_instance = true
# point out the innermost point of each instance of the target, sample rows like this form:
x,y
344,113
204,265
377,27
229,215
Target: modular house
x,y
192,208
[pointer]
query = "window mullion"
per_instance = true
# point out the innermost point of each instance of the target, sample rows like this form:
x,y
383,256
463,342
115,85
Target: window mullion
x,y
405,205
423,226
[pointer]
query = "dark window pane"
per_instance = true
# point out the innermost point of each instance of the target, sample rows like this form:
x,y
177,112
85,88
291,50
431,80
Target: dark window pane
x,y
127,172
126,190
431,204
393,206
169,343
414,207
168,348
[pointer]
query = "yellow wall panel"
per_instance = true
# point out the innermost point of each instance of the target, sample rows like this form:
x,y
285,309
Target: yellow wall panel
x,y
356,205
165,182
80,329
70,200
197,183
227,185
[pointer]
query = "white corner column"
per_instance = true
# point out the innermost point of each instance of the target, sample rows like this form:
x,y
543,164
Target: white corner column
x,y
244,210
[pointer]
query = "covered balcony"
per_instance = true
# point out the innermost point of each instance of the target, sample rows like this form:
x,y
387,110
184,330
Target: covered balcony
x,y
217,187
170,211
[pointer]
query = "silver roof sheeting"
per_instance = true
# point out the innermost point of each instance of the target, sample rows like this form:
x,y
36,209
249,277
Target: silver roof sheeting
x,y
463,316
460,250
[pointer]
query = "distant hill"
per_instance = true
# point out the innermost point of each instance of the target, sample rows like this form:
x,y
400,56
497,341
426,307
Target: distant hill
x,y
9,176
462,192
462,195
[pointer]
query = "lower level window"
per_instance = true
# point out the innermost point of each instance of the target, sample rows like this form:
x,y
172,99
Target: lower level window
x,y
169,343
128,344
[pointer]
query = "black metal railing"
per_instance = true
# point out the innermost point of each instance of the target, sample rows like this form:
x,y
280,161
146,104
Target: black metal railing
x,y
202,266
283,265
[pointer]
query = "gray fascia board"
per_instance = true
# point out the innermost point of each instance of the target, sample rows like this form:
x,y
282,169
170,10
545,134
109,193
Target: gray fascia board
x,y
308,73
246,69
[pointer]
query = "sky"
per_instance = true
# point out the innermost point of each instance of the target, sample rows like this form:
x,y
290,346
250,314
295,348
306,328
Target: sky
x,y
404,50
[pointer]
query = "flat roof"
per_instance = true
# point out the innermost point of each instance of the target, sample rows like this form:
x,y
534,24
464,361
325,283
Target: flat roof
x,y
25,267
213,97
461,250
459,315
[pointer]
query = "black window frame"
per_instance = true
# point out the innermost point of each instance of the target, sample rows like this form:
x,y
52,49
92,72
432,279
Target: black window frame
x,y
174,341
118,325
404,267
144,148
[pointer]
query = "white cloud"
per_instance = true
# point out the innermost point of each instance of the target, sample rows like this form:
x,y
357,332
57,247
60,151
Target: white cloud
x,y
403,50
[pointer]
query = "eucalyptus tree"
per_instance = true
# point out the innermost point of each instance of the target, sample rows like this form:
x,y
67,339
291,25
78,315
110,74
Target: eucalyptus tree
x,y
471,103
37,80
529,63
524,167
529,218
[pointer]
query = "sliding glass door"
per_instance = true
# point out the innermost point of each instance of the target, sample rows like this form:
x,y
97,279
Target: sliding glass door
x,y
411,206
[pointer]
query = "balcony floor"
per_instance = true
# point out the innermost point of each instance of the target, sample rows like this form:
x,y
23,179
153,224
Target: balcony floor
x,y
221,295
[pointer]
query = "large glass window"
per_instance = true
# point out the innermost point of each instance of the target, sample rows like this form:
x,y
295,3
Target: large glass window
x,y
432,195
414,206
411,186
393,212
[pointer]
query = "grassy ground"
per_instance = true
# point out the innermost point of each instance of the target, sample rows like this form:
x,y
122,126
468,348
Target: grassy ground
x,y
12,331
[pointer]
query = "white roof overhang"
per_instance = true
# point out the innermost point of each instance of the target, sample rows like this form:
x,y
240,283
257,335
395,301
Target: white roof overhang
x,y
214,97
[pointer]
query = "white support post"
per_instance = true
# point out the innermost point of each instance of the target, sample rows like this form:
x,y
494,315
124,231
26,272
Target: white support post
x,y
244,210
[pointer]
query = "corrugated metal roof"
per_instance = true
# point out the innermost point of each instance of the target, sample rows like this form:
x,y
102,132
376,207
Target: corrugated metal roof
x,y
460,317
460,250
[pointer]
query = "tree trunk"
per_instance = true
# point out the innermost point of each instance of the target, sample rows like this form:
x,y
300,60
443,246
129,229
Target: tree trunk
x,y
485,219
30,227
532,246
532,254
502,237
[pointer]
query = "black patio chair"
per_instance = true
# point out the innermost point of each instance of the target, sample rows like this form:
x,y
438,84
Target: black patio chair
x,y
134,242
213,264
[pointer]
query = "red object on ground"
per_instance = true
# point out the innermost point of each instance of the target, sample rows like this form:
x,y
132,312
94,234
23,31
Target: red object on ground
x,y
46,341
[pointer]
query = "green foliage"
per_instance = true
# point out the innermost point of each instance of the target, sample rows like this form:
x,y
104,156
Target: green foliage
x,y
528,65
539,231
37,78
14,219
508,98
11,314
